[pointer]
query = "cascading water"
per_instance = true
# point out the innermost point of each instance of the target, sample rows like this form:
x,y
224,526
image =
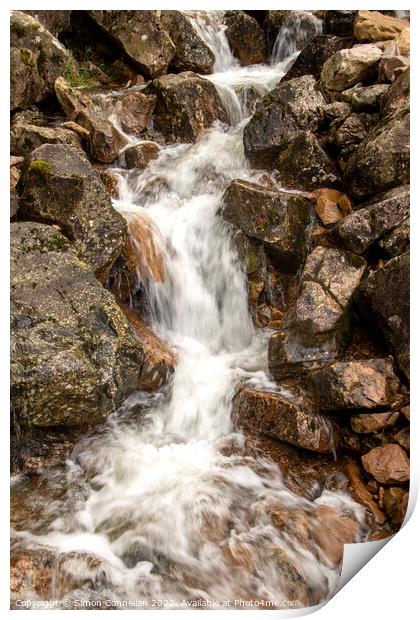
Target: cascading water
x,y
298,29
163,504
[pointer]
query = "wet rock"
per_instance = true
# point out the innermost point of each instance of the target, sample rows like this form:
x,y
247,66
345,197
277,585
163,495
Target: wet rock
x,y
382,159
158,359
271,414
384,300
279,219
26,138
240,28
54,21
31,571
191,52
373,422
392,66
305,165
371,26
367,98
350,66
297,29
280,116
387,464
132,110
75,357
105,141
317,326
59,186
141,155
142,37
37,59
315,54
397,241
358,384
398,94
395,504
340,23
331,205
332,531
360,229
187,105
361,493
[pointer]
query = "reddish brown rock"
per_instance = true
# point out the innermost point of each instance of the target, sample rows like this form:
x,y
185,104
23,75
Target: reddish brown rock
x,y
395,504
31,572
240,28
272,414
361,493
403,438
387,464
140,155
332,531
331,205
373,422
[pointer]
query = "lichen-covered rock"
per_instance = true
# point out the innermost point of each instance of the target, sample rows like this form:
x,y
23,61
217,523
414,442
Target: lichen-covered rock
x,y
246,38
187,105
26,138
140,155
54,21
280,220
317,326
37,59
387,464
270,413
398,95
60,186
142,37
360,229
371,26
105,142
352,131
75,357
280,116
384,300
397,241
305,165
366,98
382,159
315,54
373,422
350,66
357,384
191,52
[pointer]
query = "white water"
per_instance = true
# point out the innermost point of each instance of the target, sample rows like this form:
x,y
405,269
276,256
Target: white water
x,y
155,498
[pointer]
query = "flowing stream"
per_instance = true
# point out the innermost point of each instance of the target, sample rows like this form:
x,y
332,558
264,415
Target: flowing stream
x,y
162,504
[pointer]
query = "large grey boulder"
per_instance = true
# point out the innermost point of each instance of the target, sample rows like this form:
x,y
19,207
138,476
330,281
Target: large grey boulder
x,y
280,116
37,59
74,355
349,66
142,37
191,52
59,186
25,138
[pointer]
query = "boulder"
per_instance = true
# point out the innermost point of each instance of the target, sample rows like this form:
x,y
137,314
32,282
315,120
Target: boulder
x,y
140,155
395,504
331,205
373,422
54,21
331,531
305,165
105,141
371,221
191,52
132,110
382,159
358,384
340,23
75,357
240,28
403,438
142,37
387,464
397,241
26,138
366,98
187,105
279,219
317,326
337,111
269,413
352,131
59,186
350,66
315,54
384,300
359,491
37,59
280,116
391,67
371,26
398,94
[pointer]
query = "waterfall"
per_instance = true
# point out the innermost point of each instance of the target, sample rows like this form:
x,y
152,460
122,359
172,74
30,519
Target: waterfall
x,y
163,498
296,31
